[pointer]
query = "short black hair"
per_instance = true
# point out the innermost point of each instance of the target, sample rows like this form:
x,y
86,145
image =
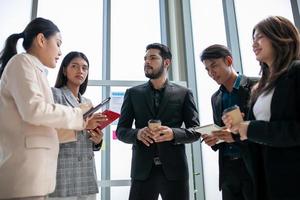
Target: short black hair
x,y
165,51
214,52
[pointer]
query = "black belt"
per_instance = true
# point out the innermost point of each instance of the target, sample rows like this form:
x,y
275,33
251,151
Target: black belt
x,y
232,158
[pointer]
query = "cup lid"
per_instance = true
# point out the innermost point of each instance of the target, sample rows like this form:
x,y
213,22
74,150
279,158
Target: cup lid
x,y
230,109
154,121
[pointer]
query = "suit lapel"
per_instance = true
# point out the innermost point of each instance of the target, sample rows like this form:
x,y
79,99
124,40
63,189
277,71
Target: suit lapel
x,y
149,98
70,97
281,91
219,107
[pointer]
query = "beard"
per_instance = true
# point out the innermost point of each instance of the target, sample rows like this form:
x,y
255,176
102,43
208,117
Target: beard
x,y
155,73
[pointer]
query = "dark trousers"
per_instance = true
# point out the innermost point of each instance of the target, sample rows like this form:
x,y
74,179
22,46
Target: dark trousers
x,y
156,184
237,184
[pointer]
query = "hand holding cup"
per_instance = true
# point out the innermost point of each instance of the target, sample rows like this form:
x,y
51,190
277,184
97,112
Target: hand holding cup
x,y
154,126
232,117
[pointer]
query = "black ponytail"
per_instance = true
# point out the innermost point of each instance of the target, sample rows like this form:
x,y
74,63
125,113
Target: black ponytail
x,y
36,26
10,49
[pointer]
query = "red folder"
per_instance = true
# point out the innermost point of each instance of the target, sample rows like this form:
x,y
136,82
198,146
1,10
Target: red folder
x,y
111,116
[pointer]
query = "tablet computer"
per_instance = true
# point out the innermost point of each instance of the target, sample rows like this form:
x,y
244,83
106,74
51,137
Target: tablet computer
x,y
94,109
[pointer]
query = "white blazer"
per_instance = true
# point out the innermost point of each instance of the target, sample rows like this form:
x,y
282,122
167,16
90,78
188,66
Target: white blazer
x,y
28,118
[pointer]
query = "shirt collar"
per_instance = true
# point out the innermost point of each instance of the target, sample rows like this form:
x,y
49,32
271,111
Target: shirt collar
x,y
38,64
236,84
161,89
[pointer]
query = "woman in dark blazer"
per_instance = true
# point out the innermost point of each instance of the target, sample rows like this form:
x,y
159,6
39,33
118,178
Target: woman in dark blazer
x,y
274,119
76,172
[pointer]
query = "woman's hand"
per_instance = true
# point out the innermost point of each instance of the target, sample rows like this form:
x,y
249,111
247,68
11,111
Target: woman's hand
x,y
223,134
93,121
243,130
96,135
228,121
209,139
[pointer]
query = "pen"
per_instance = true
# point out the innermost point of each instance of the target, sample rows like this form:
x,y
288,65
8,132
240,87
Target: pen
x,y
202,140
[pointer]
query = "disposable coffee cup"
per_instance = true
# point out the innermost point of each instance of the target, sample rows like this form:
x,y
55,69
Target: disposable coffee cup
x,y
154,124
235,113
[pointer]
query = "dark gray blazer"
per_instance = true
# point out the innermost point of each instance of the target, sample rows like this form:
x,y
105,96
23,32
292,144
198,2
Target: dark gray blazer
x,y
177,107
76,172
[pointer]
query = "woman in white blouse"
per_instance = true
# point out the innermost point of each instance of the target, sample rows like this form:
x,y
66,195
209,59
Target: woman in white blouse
x,y
274,121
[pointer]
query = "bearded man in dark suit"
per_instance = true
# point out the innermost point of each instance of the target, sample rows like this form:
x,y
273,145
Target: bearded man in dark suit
x,y
159,164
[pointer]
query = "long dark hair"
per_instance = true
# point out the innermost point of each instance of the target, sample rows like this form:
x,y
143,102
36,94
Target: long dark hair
x,y
62,79
36,26
284,38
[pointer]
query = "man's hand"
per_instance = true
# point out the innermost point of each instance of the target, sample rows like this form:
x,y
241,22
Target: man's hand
x,y
162,134
209,139
224,134
145,136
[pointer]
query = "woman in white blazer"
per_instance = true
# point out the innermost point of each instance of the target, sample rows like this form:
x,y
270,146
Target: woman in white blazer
x,y
28,115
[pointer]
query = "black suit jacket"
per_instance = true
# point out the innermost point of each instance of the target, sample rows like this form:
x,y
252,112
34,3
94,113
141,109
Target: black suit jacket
x,y
177,107
216,100
278,141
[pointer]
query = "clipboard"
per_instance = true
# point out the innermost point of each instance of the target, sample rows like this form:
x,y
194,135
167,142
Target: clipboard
x,y
207,129
111,116
94,109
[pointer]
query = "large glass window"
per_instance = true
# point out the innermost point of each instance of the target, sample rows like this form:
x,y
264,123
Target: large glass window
x,y
14,16
80,23
208,28
120,153
258,10
131,31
